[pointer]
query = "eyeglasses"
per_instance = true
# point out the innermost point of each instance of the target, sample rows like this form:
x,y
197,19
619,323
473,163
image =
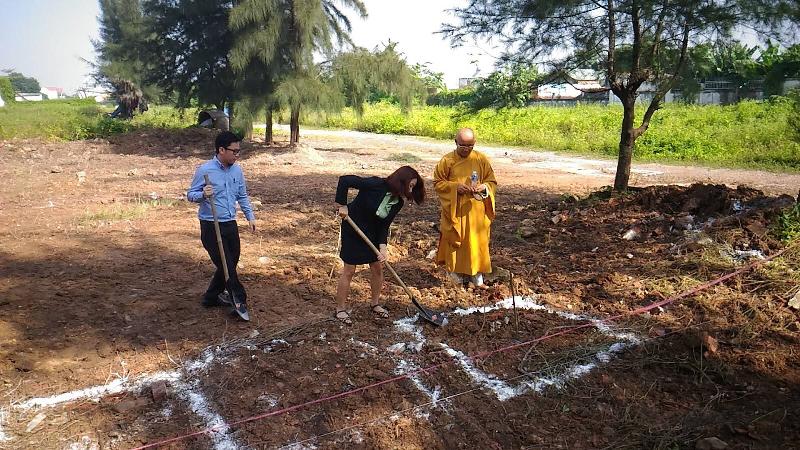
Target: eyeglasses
x,y
235,151
464,146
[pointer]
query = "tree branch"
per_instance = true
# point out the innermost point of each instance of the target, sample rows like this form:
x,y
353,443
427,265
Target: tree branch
x,y
637,40
665,87
612,44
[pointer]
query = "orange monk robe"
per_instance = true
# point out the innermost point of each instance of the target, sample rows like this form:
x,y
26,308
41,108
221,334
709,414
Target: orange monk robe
x,y
465,221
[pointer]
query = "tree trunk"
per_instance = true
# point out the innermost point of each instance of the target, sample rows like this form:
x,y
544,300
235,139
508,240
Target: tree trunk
x,y
627,143
268,132
294,126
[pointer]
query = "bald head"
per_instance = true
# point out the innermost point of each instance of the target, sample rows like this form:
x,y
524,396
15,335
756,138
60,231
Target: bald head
x,y
465,141
465,136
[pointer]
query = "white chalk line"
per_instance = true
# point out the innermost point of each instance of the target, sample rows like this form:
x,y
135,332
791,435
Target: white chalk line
x,y
504,391
188,391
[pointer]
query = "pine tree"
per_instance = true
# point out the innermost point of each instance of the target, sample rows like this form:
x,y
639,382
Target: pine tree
x,y
283,36
124,56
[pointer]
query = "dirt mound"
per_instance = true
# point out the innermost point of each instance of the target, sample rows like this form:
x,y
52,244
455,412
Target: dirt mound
x,y
165,143
700,200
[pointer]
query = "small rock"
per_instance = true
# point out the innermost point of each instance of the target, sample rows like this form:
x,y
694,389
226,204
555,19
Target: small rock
x,y
712,443
757,228
263,260
685,222
710,343
657,332
129,405
431,254
555,219
158,390
133,172
81,177
794,302
253,334
56,169
629,256
256,204
154,196
631,234
527,232
35,422
398,348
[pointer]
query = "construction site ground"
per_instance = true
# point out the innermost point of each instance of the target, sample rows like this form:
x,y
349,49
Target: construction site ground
x,y
104,343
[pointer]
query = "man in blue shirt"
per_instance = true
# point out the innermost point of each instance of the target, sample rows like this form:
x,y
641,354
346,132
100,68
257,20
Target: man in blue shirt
x,y
227,187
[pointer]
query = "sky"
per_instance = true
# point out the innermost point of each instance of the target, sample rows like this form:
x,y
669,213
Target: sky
x,y
48,39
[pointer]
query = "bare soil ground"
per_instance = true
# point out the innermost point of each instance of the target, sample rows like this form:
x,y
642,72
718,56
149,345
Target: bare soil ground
x,y
102,271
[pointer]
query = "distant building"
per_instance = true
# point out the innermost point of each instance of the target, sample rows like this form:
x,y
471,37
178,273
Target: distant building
x,y
52,93
464,82
2,103
100,94
579,84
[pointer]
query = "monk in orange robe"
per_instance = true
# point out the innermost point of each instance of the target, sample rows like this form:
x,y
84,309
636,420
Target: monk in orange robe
x,y
466,185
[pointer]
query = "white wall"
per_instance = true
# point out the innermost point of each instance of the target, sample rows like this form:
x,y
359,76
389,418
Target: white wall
x,y
30,97
51,94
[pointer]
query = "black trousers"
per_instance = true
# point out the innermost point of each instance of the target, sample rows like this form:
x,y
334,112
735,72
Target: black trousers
x,y
230,242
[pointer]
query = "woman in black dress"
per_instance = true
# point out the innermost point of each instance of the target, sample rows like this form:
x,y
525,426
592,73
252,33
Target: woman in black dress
x,y
373,209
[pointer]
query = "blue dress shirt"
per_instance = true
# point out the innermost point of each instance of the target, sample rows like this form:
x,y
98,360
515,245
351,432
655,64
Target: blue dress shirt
x,y
229,188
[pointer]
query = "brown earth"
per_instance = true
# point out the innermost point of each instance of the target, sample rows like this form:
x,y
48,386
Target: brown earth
x,y
101,277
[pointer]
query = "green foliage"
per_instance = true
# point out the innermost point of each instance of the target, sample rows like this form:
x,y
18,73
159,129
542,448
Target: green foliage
x,y
190,42
431,81
6,90
748,134
24,84
794,118
125,50
508,88
68,120
362,75
283,36
453,97
788,226
776,66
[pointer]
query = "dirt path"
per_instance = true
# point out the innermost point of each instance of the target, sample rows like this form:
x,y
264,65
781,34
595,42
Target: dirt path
x,y
101,274
554,171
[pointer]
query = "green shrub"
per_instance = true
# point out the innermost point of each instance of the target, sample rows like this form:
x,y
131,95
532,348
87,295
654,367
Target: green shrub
x,y
788,226
6,90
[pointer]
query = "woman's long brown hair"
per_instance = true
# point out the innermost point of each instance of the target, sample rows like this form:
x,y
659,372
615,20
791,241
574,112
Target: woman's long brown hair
x,y
399,180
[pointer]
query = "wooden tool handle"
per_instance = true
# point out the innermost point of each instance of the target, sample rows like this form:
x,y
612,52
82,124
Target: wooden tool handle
x,y
216,230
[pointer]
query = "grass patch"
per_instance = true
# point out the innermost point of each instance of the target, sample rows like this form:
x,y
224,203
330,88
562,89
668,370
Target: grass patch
x,y
749,134
788,226
132,210
69,120
404,157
